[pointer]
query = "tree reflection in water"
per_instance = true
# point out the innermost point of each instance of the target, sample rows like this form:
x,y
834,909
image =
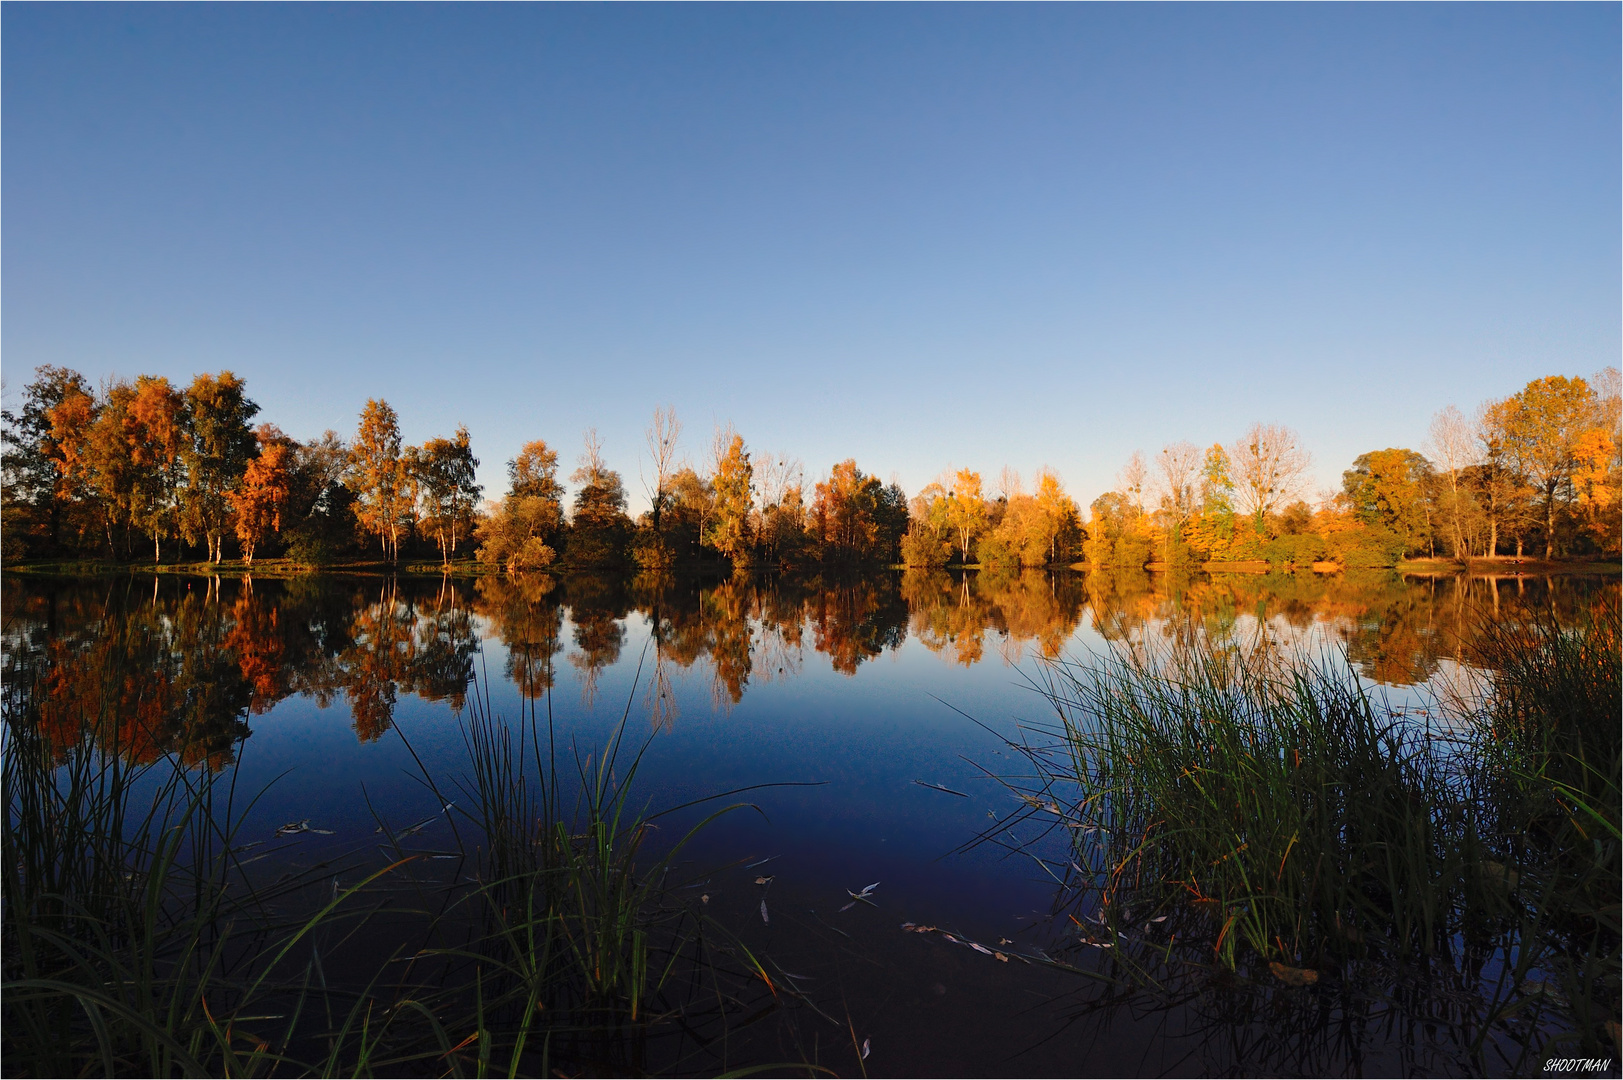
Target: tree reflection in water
x,y
178,665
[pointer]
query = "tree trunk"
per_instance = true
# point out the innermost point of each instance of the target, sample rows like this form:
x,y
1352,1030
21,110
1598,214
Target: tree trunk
x,y
1549,523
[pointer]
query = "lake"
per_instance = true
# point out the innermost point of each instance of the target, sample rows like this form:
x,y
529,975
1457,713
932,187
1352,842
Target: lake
x,y
878,707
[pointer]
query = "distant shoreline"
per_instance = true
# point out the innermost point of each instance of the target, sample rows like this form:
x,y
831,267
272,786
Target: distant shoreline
x,y
287,568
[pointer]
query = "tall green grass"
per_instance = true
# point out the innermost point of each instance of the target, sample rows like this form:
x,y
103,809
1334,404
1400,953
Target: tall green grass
x,y
1265,814
138,940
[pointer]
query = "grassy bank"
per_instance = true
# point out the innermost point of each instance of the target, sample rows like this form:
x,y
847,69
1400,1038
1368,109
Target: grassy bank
x,y
1233,814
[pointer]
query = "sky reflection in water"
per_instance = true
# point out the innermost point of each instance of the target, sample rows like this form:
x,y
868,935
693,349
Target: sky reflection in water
x,y
863,686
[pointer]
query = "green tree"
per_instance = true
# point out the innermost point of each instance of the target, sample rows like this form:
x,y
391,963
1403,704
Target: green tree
x,y
37,493
444,470
217,449
598,526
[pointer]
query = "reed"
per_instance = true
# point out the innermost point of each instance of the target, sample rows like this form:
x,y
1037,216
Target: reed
x,y
1267,814
138,940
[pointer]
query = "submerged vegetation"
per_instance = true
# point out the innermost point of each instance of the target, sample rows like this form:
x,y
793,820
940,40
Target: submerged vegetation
x,y
1246,814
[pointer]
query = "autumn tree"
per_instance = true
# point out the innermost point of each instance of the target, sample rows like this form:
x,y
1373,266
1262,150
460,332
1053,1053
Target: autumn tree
x,y
1033,527
1268,466
157,427
929,538
1541,427
1597,477
965,509
259,501
1388,488
379,477
518,532
854,516
217,448
38,474
444,470
1061,516
728,530
130,458
66,444
783,509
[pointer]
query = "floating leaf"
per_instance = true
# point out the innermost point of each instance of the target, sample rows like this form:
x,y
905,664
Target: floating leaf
x,y
980,948
1001,957
764,880
763,913
864,1049
1293,976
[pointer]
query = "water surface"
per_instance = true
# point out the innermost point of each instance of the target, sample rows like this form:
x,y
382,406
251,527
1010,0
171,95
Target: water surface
x,y
339,696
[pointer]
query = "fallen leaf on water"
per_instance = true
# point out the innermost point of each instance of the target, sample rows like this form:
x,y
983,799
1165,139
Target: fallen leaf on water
x,y
704,899
763,913
906,926
1004,941
1001,957
980,948
1159,918
864,1049
1292,976
764,880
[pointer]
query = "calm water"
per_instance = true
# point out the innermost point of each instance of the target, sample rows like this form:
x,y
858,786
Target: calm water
x,y
330,692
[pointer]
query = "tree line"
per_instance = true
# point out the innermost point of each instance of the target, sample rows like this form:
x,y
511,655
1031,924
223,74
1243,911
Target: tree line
x,y
1534,473
103,471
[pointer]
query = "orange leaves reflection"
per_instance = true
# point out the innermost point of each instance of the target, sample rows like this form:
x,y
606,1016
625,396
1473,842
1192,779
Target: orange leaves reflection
x,y
180,669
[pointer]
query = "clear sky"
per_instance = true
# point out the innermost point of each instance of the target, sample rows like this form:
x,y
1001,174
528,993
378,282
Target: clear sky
x,y
912,235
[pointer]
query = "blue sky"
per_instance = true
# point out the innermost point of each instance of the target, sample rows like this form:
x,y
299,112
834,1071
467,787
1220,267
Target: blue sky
x,y
913,235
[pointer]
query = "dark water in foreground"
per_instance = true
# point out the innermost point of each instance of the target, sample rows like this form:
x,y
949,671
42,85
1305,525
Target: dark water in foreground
x,y
335,694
